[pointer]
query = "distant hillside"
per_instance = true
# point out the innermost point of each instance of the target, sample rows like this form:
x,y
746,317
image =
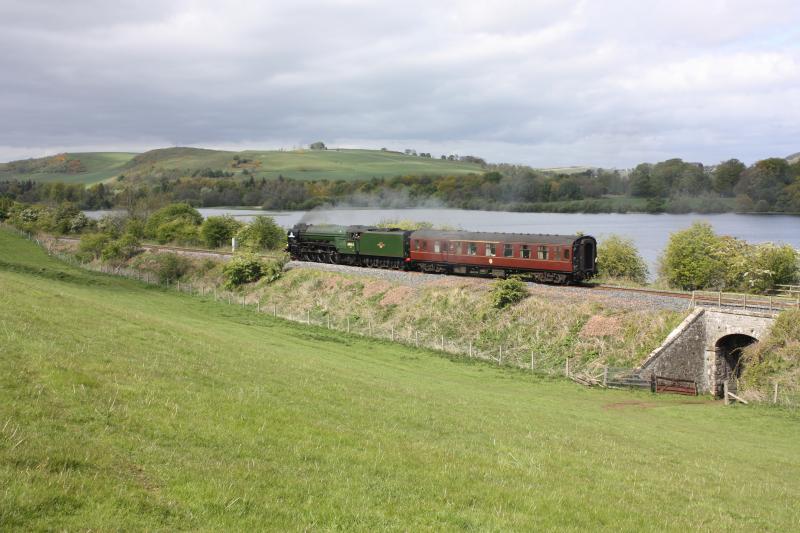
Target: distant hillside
x,y
89,167
298,164
794,158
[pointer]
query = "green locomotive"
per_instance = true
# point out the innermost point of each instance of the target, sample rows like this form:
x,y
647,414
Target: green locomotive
x,y
349,245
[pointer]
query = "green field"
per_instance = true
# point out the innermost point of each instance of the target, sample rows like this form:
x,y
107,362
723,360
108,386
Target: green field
x,y
100,166
126,407
296,164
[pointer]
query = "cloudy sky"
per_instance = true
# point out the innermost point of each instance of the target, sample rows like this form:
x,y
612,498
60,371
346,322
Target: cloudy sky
x,y
546,83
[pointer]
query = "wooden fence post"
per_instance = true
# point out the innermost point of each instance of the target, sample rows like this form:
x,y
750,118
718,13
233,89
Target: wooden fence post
x,y
348,324
392,333
725,392
258,306
308,317
775,393
274,309
719,299
531,360
566,368
442,342
500,360
416,338
470,349
605,376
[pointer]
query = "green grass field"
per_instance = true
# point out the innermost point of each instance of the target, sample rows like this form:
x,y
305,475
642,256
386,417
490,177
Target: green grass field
x,y
127,407
296,164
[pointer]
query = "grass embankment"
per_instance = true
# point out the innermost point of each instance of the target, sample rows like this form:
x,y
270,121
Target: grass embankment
x,y
296,164
775,359
123,406
549,323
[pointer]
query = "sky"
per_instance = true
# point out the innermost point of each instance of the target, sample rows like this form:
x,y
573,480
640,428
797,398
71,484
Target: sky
x,y
607,83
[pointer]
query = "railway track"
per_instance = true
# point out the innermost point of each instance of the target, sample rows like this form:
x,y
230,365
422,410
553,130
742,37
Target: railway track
x,y
718,299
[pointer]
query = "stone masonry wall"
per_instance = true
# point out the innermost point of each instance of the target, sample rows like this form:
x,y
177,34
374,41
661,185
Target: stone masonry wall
x,y
681,354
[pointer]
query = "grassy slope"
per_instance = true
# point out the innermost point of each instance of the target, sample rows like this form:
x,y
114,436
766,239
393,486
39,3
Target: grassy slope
x,y
300,164
100,166
125,407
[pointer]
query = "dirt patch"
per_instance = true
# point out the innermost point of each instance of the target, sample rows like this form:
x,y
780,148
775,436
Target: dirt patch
x,y
638,404
371,288
601,326
396,296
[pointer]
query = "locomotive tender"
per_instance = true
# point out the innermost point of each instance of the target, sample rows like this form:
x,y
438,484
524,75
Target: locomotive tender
x,y
544,258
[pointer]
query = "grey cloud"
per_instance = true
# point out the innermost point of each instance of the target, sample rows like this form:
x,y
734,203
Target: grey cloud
x,y
545,83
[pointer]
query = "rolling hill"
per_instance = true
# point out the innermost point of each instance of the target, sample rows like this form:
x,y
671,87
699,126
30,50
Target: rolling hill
x,y
93,167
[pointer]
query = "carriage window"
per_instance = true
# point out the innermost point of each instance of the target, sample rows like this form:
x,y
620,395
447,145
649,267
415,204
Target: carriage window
x,y
508,250
424,245
525,252
437,248
543,252
473,249
566,253
416,244
458,248
491,249
452,247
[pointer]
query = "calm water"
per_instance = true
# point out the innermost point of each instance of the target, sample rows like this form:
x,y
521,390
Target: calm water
x,y
649,232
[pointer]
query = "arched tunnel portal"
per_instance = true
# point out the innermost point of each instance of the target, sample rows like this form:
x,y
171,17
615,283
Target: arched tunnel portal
x,y
729,361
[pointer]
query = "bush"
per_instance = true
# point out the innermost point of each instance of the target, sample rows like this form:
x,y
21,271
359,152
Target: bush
x,y
772,265
618,258
120,249
92,245
183,213
507,292
691,259
218,231
178,231
242,269
262,233
170,267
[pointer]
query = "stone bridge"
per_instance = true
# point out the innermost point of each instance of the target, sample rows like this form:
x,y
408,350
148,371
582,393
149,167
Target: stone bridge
x,y
707,346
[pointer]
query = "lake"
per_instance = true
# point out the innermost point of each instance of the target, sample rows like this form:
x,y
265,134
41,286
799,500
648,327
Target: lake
x,y
649,232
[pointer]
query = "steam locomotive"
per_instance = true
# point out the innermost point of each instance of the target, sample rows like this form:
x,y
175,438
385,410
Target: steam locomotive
x,y
557,259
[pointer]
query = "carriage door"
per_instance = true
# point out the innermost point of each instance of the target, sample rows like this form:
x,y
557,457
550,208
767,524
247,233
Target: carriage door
x,y
587,255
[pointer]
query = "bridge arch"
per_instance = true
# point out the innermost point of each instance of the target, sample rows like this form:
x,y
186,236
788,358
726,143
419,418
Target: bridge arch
x,y
729,362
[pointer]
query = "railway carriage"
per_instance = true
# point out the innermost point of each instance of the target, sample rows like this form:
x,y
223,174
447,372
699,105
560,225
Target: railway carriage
x,y
545,258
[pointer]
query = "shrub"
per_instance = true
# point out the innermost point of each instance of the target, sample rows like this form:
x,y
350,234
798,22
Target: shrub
x,y
174,212
507,292
691,259
120,249
262,233
245,268
217,231
170,267
178,231
92,245
618,258
772,265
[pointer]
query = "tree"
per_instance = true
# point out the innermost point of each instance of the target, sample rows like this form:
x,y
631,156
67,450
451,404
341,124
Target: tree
x,y
726,176
319,145
218,231
181,212
640,181
262,233
765,180
618,257
691,260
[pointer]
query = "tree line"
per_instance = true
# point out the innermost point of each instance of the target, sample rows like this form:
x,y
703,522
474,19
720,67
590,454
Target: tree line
x,y
770,185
